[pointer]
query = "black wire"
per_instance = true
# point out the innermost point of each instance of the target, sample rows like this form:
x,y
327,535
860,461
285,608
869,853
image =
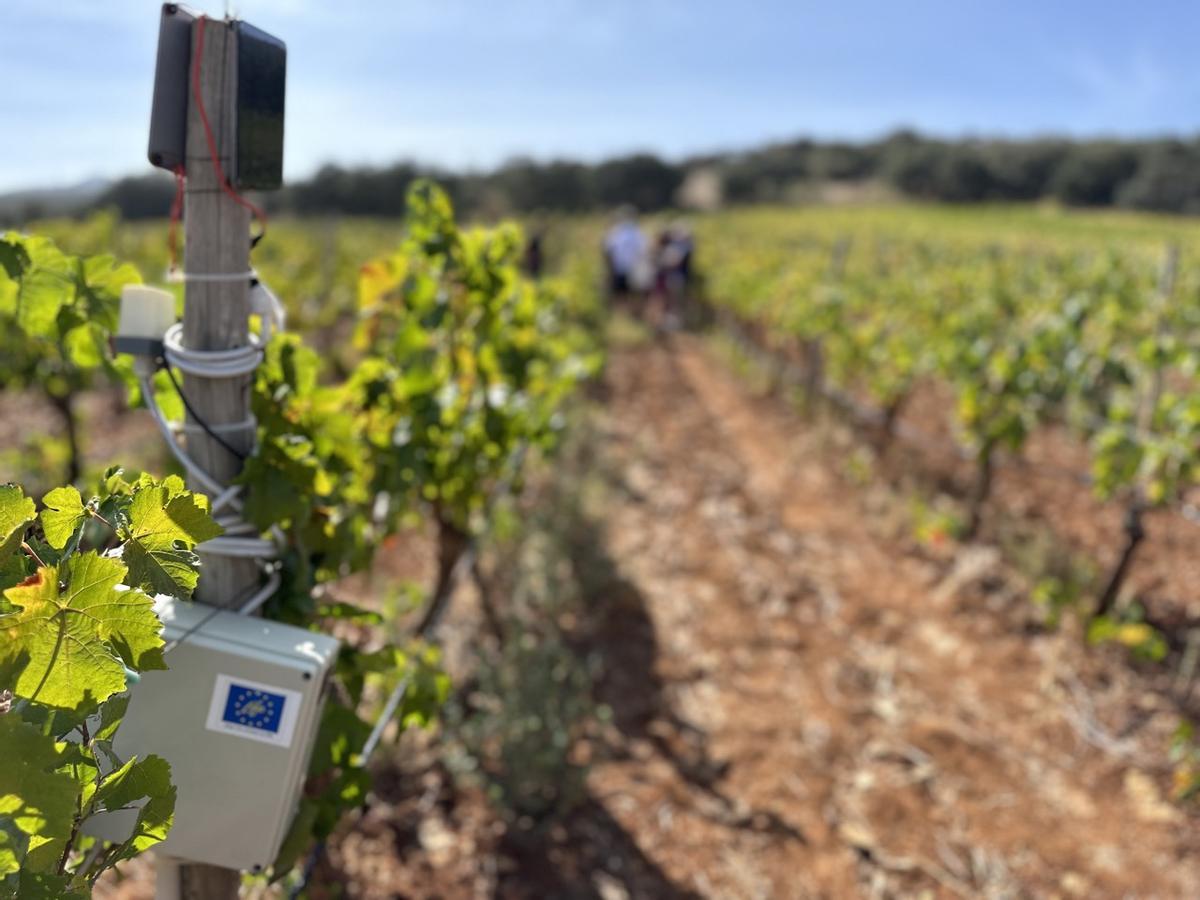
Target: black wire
x,y
306,873
245,595
199,419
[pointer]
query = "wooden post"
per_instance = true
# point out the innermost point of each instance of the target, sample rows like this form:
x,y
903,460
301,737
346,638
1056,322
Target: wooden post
x,y
216,317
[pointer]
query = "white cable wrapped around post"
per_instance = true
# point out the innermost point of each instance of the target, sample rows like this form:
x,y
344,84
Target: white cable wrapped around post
x,y
211,363
144,312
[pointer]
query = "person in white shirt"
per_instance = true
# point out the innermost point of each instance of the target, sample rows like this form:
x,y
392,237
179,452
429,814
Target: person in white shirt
x,y
624,252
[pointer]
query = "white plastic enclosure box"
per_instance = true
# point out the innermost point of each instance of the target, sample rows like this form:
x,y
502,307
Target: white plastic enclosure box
x,y
235,716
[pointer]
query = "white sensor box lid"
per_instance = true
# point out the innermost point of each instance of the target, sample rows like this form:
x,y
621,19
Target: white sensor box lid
x,y
235,716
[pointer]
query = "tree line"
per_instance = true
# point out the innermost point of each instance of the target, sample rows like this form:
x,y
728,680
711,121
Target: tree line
x,y
1149,174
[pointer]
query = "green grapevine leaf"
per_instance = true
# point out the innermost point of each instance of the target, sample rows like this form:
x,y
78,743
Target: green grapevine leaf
x,y
165,523
111,715
48,886
147,779
282,474
13,258
14,844
73,639
16,512
100,290
126,785
62,516
85,345
36,802
9,291
43,292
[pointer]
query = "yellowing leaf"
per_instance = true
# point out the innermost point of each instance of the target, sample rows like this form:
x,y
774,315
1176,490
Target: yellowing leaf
x,y
1134,634
73,640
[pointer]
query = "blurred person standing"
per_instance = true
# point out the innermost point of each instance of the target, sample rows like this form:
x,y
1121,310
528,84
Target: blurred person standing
x,y
673,255
664,274
684,243
533,260
624,255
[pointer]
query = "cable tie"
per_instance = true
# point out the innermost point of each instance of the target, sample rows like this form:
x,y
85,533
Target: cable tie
x,y
176,277
248,424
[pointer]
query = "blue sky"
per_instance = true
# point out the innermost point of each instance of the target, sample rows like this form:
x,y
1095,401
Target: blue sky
x,y
468,84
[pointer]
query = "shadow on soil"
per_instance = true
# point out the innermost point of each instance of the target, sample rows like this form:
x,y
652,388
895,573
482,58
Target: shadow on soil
x,y
617,631
621,634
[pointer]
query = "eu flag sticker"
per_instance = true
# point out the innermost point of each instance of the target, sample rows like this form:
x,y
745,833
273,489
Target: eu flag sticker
x,y
260,712
254,708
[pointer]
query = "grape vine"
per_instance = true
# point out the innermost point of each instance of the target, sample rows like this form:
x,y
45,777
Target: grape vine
x,y
78,622
1013,334
458,366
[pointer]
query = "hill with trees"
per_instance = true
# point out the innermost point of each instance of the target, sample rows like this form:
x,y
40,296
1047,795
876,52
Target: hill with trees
x,y
1160,174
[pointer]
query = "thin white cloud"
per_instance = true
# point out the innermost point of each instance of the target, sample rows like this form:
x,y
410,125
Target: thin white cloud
x,y
1133,82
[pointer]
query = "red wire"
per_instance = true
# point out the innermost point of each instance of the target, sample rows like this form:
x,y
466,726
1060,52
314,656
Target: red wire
x,y
202,22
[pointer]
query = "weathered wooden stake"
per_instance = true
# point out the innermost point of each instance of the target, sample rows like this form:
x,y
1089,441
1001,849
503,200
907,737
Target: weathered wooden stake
x,y
215,317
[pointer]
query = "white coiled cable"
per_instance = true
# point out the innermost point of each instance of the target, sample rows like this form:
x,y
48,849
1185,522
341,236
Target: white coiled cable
x,y
240,539
232,363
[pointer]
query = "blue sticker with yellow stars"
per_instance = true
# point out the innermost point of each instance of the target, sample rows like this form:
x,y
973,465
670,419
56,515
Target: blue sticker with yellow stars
x,y
243,708
254,708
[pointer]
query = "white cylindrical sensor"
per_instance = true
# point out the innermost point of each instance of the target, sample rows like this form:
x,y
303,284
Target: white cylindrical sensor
x,y
146,314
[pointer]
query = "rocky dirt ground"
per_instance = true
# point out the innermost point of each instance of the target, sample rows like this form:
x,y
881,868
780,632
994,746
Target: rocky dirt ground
x,y
804,701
